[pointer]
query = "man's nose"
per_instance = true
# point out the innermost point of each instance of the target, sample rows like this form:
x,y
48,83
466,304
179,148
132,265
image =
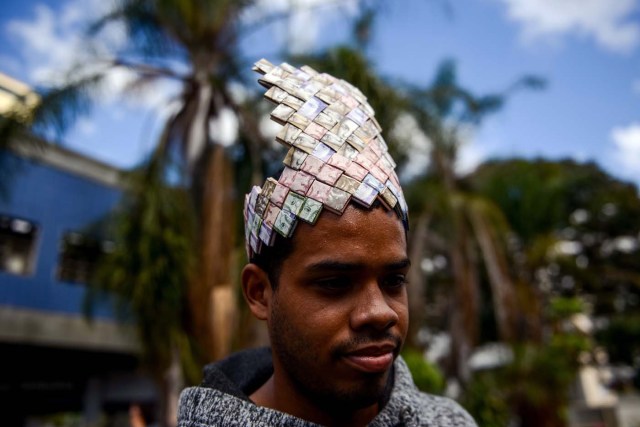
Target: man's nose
x,y
371,309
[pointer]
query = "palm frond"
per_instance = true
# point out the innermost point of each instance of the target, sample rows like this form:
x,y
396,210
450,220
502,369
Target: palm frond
x,y
151,267
144,32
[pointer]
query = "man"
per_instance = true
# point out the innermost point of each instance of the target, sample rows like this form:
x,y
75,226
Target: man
x,y
327,272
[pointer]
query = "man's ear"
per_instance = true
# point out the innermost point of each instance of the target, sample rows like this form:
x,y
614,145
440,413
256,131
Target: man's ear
x,y
257,290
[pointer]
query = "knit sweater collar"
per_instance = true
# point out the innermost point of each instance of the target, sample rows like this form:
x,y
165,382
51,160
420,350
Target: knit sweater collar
x,y
223,397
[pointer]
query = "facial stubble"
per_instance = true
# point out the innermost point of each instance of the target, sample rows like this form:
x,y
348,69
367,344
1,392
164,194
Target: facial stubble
x,y
301,362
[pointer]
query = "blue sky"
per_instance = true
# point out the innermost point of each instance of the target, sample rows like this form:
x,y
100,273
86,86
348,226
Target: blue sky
x,y
587,50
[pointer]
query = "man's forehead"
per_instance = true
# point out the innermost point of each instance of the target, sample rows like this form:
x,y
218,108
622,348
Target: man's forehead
x,y
337,155
359,237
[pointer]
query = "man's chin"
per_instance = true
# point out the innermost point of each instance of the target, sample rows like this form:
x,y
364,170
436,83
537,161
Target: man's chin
x,y
368,391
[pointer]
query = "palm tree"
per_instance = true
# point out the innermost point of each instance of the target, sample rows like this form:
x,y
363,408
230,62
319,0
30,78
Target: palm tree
x,y
182,280
194,44
554,203
154,233
470,226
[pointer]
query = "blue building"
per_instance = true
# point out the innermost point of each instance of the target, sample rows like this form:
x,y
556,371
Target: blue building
x,y
53,205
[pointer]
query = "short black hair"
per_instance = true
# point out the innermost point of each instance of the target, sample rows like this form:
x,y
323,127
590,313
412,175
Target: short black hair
x,y
270,258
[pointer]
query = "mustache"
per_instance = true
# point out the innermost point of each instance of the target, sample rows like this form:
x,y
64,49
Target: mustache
x,y
360,341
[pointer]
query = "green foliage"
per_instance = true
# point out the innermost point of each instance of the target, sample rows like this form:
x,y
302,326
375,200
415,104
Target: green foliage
x,y
426,376
61,106
531,195
159,229
464,226
445,98
541,374
622,339
554,365
151,267
156,271
533,388
486,399
550,202
539,196
563,308
63,419
540,378
170,29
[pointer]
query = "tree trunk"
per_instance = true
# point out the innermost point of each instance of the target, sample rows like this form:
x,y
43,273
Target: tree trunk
x,y
466,302
218,244
502,289
464,319
218,235
417,279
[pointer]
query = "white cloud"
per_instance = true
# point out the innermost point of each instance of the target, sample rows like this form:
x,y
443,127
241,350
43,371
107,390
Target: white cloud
x,y
626,150
304,30
238,92
610,23
52,41
471,152
470,155
86,127
120,81
473,149
10,65
306,18
224,128
44,47
407,131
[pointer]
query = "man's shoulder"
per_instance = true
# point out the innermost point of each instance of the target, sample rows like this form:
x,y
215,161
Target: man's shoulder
x,y
410,407
223,397
208,407
421,409
442,411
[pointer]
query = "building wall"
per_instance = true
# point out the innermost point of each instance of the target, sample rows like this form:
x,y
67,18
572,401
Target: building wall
x,y
54,360
57,201
59,192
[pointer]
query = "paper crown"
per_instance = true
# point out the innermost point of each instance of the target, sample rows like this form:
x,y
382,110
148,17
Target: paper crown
x,y
336,155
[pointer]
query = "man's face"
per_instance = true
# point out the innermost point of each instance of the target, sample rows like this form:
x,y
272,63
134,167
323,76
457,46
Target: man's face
x,y
339,314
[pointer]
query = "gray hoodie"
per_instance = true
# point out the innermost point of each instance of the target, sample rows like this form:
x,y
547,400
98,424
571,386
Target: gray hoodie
x,y
223,400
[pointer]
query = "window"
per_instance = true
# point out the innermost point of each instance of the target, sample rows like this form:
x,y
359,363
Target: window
x,y
17,245
79,257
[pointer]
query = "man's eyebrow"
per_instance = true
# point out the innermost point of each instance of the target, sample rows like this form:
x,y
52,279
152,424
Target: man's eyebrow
x,y
405,263
348,267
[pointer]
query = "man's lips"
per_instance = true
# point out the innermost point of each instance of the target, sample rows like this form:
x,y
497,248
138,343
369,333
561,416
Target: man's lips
x,y
372,358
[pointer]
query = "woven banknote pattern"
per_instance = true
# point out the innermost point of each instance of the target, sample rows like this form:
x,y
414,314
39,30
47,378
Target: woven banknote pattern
x,y
336,155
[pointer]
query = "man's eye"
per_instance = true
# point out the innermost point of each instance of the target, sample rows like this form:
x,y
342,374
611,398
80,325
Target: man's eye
x,y
395,281
333,283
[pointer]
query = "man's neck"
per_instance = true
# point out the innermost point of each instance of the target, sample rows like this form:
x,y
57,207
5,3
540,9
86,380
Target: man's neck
x,y
275,395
